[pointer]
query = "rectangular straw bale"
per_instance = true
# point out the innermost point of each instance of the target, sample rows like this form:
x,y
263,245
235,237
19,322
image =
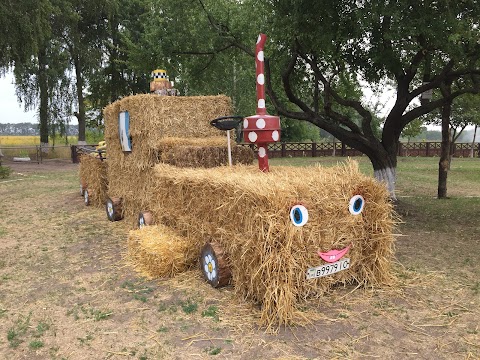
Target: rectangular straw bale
x,y
154,118
206,156
158,251
247,212
93,174
133,186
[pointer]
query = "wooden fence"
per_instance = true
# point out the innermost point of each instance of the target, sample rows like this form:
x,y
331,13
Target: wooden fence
x,y
425,149
276,150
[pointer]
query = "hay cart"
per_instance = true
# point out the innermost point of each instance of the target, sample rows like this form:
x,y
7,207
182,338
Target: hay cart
x,y
280,236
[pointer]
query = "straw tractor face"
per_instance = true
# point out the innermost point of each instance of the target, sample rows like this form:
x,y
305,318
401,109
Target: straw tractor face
x,y
279,236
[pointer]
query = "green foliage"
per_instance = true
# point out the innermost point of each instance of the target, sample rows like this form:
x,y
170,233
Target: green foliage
x,y
94,136
15,333
189,307
413,129
299,131
36,344
5,172
211,311
213,350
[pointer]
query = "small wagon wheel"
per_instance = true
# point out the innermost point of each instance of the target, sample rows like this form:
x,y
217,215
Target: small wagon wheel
x,y
86,197
214,265
113,207
145,218
83,186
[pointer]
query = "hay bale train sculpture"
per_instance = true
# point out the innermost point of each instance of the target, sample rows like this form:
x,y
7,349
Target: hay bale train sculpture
x,y
280,236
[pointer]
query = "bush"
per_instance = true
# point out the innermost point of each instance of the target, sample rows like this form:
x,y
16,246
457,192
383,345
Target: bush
x,y
4,172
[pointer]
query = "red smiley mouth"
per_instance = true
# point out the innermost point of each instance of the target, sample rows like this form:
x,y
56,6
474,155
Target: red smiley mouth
x,y
333,255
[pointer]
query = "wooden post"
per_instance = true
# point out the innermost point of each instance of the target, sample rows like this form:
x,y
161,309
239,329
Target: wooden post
x,y
74,152
428,149
314,149
344,149
284,150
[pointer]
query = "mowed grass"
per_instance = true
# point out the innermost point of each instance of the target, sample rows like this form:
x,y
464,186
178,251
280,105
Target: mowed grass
x,y
416,176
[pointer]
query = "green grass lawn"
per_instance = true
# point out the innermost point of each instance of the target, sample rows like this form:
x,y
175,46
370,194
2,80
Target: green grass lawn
x,y
416,176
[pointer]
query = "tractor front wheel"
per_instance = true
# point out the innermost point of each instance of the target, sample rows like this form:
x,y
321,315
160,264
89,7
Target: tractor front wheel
x,y
214,265
145,218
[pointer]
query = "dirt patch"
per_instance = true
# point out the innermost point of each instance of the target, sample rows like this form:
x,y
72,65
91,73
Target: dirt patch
x,y
66,292
47,165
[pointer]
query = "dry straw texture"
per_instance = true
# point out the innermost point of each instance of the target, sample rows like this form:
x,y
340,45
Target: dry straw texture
x,y
247,212
156,251
155,118
158,124
240,208
93,174
206,157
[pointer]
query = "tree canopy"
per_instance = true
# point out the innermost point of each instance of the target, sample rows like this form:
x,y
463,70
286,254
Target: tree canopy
x,y
320,55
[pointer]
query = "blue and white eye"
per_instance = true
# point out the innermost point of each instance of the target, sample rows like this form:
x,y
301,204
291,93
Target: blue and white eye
x,y
356,204
299,215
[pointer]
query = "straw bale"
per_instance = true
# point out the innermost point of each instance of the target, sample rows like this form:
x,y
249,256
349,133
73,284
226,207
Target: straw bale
x,y
154,118
247,212
158,251
206,156
93,172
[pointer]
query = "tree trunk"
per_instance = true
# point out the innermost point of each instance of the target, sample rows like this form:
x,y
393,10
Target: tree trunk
x,y
444,162
43,87
472,150
385,170
81,104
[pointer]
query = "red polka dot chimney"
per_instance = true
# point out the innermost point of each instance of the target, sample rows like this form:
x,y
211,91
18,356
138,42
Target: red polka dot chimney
x,y
261,129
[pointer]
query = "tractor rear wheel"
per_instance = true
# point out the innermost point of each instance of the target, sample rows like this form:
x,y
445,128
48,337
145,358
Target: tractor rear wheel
x,y
113,207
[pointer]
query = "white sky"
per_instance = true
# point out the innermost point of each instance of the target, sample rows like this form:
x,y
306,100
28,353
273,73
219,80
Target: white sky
x,y
10,109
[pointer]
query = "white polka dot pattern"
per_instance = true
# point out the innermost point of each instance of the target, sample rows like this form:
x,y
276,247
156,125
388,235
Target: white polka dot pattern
x,y
261,79
252,136
275,135
262,152
260,56
260,123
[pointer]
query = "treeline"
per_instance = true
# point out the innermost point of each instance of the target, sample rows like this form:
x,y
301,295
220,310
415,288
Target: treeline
x,y
31,129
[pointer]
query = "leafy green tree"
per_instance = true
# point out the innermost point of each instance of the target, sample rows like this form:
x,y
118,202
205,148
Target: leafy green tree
x,y
24,32
80,24
413,129
43,84
23,26
317,47
404,42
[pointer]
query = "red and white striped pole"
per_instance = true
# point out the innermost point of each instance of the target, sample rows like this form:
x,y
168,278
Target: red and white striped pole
x,y
261,129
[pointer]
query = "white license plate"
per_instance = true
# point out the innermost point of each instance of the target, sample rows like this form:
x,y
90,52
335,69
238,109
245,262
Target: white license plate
x,y
328,269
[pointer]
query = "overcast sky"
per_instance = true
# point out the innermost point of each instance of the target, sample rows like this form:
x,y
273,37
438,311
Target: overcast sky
x,y
10,109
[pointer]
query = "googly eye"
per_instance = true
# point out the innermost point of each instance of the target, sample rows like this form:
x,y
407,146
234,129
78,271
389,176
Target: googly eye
x,y
299,215
356,204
